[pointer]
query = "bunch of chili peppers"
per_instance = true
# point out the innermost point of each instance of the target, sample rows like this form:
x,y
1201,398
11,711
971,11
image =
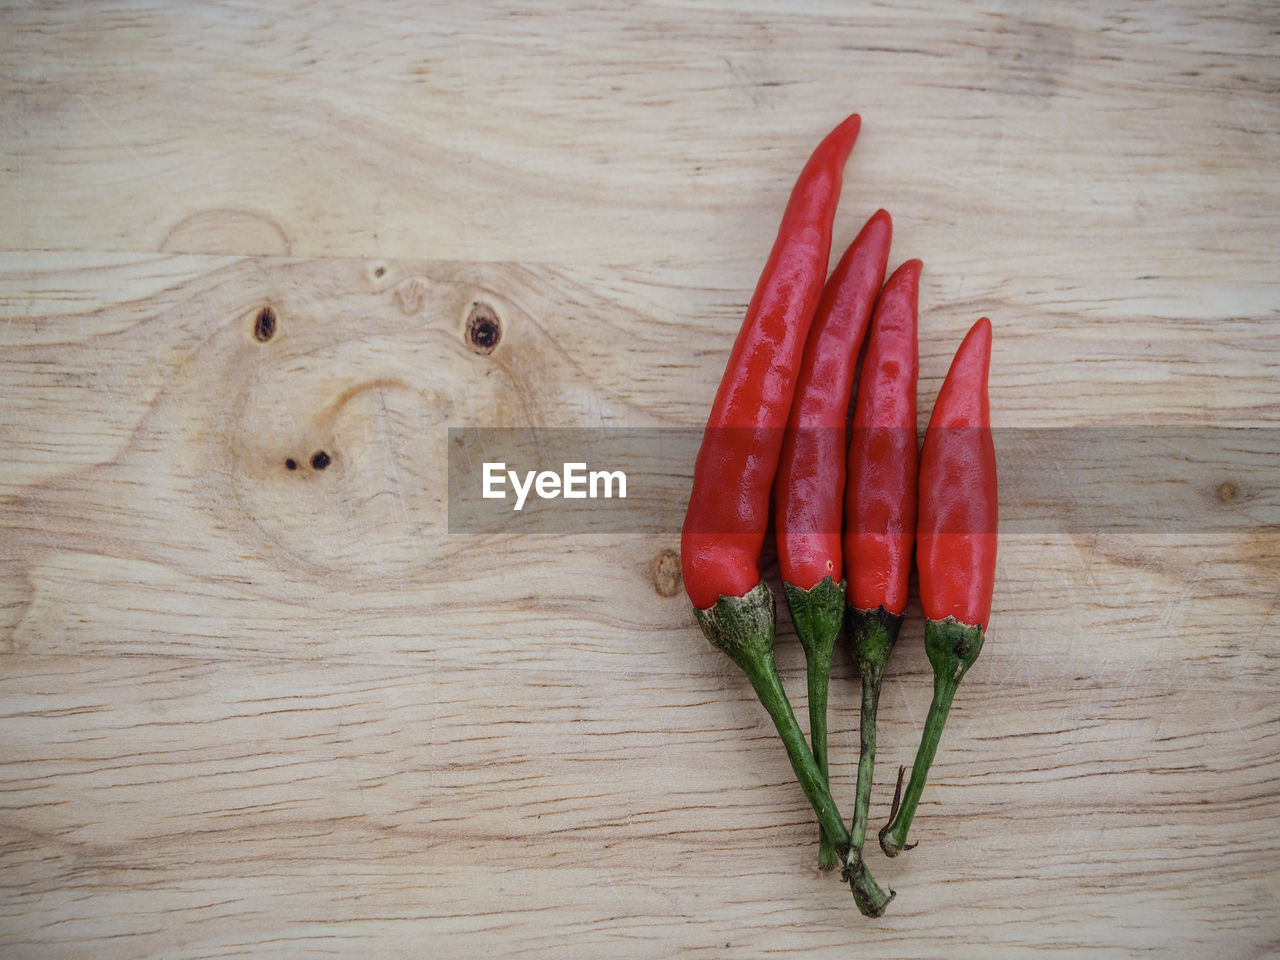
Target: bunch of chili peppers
x,y
848,517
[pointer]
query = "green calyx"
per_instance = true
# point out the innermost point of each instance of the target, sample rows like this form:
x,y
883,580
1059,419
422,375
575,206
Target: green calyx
x,y
872,635
818,614
743,627
952,648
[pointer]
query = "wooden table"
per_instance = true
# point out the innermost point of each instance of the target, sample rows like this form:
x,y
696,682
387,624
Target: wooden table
x,y
249,711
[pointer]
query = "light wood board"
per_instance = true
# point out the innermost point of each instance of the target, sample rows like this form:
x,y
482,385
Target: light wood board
x,y
253,712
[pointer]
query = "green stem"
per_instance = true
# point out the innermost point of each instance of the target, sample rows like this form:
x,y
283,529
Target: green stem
x,y
819,676
893,838
872,634
866,758
743,627
867,893
768,686
818,614
952,647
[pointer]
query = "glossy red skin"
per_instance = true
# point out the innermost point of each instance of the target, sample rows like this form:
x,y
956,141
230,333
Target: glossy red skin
x,y
808,490
959,512
880,497
728,510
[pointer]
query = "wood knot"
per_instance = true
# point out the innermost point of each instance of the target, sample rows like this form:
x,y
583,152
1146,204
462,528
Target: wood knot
x,y
666,573
484,329
264,325
1228,492
410,295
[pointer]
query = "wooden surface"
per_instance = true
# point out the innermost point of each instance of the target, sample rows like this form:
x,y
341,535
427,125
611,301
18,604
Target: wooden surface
x,y
248,712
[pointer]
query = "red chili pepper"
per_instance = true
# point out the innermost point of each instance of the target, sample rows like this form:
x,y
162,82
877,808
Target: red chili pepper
x,y
958,502
728,511
956,551
880,510
808,490
729,507
880,496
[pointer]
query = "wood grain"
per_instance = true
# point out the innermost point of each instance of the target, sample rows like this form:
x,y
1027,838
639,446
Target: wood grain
x,y
253,711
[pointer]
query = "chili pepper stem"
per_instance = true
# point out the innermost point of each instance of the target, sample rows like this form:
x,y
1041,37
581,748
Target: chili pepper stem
x,y
818,614
818,671
867,893
768,687
952,647
871,681
743,627
872,635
